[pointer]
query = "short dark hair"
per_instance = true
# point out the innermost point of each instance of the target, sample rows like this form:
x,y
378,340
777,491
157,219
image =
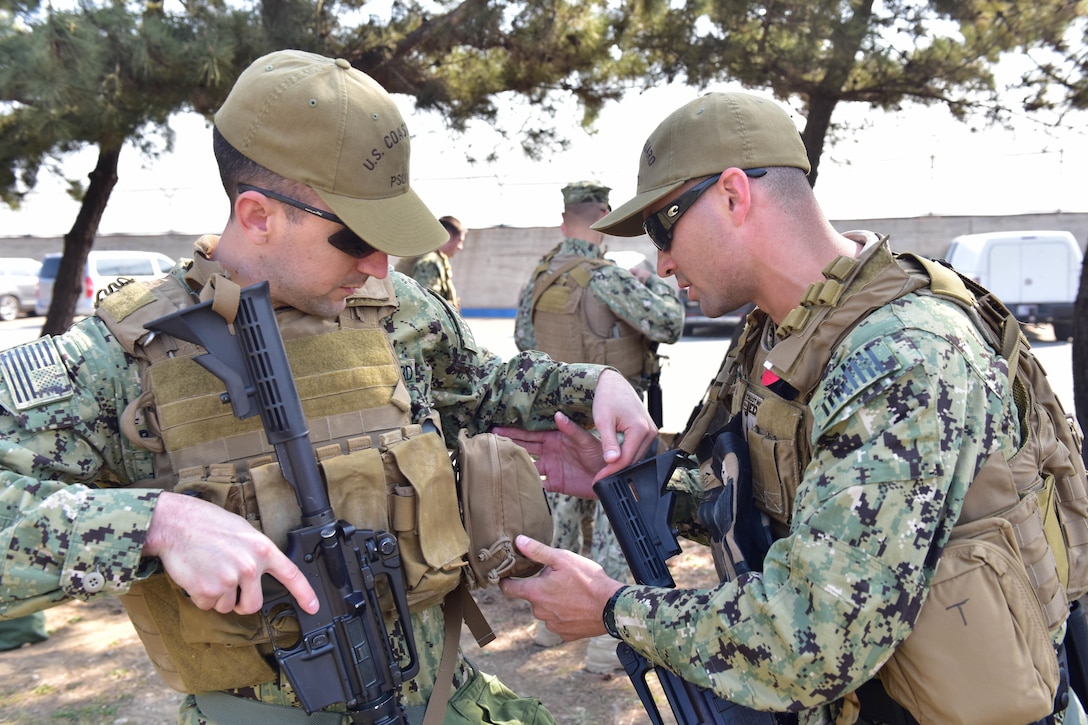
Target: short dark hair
x,y
236,168
452,224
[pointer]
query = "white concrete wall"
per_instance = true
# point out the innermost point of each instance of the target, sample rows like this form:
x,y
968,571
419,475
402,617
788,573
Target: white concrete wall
x,y
495,262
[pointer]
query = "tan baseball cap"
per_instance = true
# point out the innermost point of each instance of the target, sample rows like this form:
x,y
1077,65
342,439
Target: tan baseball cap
x,y
320,122
706,136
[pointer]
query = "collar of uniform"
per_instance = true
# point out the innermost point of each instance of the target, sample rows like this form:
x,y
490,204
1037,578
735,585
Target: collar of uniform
x,y
580,247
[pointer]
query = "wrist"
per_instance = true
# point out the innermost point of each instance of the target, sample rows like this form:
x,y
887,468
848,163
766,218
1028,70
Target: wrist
x,y
609,614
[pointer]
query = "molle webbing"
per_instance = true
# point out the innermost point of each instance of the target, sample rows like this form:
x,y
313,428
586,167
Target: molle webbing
x,y
348,374
830,309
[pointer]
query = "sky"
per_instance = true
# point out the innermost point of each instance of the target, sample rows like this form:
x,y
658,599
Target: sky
x,y
916,162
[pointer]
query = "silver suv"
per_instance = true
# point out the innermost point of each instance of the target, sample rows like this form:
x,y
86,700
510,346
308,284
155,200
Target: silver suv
x,y
18,280
102,268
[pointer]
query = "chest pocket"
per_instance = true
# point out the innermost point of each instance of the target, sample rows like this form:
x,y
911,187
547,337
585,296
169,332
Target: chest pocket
x,y
778,448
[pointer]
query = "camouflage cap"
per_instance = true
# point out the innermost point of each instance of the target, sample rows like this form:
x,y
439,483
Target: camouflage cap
x,y
320,122
703,137
580,192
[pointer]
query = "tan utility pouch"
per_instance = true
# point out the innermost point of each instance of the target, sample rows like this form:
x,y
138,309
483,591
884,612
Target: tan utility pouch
x,y
981,613
404,485
501,497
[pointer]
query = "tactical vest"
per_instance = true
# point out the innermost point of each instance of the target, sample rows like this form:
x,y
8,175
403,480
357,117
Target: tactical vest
x,y
1041,491
382,471
571,325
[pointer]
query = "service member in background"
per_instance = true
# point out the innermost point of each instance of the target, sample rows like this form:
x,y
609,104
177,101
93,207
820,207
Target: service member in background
x,y
579,306
106,428
898,488
433,269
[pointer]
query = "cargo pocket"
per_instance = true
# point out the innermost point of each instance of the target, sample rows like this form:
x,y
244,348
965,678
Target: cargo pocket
x,y
981,630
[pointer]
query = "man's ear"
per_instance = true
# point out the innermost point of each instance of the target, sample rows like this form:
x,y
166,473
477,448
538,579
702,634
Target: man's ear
x,y
738,193
252,210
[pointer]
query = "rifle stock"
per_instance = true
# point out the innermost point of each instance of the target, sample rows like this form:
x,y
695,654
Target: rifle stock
x,y
639,507
343,653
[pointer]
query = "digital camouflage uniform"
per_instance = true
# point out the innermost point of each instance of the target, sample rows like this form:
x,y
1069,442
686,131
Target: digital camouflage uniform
x,y
654,310
75,516
434,271
895,445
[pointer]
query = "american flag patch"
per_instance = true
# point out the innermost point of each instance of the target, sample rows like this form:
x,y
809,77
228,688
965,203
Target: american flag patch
x,y
35,374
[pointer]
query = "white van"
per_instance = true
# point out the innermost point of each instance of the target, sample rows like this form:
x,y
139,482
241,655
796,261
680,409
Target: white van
x,y
1035,273
102,269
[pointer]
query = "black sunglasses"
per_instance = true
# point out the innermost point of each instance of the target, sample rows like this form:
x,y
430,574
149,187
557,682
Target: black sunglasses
x,y
345,240
658,226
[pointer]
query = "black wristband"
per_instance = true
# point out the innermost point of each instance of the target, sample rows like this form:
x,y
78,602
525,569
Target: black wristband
x,y
609,614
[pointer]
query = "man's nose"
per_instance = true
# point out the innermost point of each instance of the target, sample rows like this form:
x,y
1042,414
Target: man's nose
x,y
666,267
375,264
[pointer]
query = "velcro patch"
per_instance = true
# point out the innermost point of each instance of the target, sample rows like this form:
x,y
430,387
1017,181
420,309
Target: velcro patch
x,y
35,374
872,362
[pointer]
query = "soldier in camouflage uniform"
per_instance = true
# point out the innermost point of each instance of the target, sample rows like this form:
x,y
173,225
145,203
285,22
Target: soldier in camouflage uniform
x,y
433,270
90,502
634,305
911,402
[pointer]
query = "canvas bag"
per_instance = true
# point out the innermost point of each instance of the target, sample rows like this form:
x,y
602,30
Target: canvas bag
x,y
501,496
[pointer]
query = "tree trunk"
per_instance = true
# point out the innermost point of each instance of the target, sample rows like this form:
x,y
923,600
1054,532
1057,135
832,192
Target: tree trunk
x,y
820,108
1080,352
78,241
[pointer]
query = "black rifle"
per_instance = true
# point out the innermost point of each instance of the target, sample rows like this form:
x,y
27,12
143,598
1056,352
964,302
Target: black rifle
x,y
343,653
639,507
654,403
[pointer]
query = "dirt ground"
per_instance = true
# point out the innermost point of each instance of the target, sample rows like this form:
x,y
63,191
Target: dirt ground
x,y
93,671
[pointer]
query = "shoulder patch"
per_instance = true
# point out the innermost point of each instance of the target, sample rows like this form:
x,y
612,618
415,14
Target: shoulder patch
x,y
35,374
876,361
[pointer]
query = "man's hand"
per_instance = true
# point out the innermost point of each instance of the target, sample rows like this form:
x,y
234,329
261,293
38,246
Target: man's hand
x,y
568,595
618,409
568,457
218,558
572,458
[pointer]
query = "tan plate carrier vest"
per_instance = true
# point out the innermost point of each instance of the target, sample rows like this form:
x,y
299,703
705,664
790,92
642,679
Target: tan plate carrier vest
x,y
572,326
382,471
1041,491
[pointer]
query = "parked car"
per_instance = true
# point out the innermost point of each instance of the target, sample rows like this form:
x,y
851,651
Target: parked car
x,y
102,269
1035,273
18,282
694,319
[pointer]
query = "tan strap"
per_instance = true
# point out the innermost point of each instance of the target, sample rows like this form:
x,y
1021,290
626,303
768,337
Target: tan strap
x,y
224,294
459,606
543,285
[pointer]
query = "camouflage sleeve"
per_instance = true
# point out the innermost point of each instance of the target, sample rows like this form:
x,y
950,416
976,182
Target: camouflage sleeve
x,y
652,308
66,538
472,388
902,421
428,273
524,334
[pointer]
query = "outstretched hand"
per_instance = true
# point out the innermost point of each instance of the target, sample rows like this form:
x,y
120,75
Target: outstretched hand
x,y
572,458
568,595
568,457
218,558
